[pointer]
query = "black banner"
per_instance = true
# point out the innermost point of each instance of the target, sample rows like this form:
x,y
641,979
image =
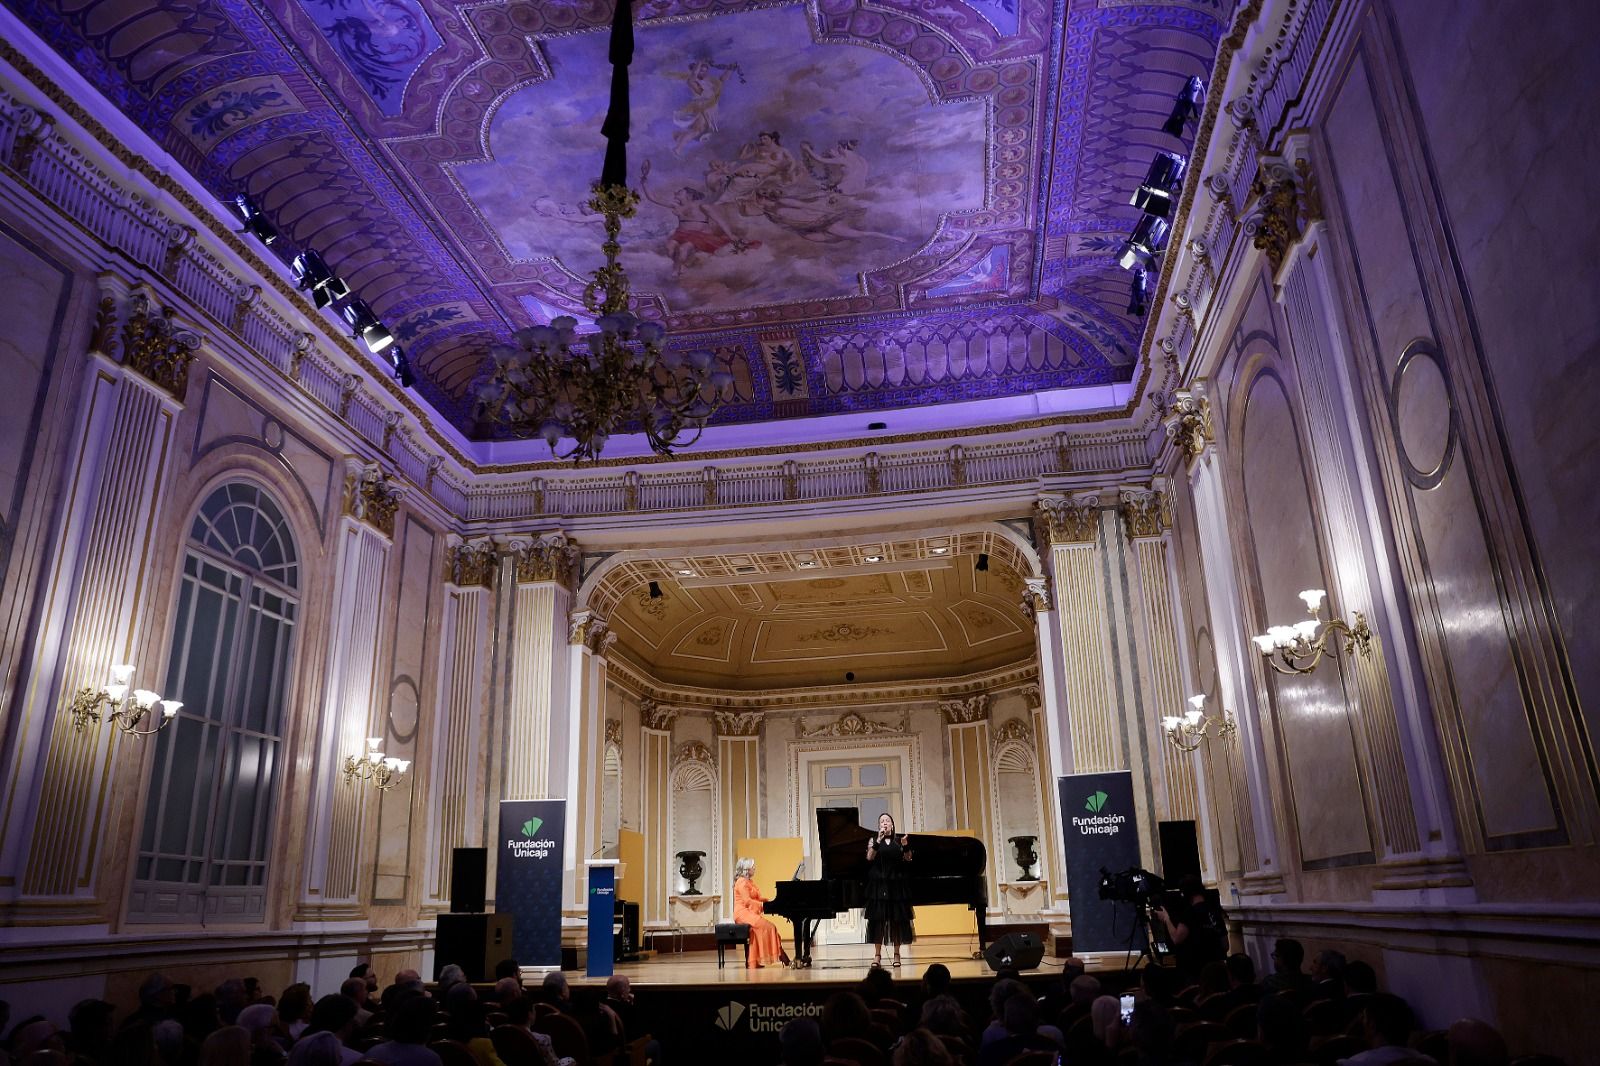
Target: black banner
x,y
527,883
1101,832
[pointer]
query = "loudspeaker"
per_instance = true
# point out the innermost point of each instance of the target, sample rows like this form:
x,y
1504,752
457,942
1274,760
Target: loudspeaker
x,y
475,942
1014,951
1180,852
625,948
469,870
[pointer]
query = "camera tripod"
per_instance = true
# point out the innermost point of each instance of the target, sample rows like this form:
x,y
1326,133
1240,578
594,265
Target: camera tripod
x,y
1141,939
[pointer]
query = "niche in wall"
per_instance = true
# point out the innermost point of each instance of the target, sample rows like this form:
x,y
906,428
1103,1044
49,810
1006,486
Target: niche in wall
x,y
1017,781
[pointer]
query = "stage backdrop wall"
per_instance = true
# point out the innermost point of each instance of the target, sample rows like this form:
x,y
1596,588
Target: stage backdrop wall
x,y
1102,832
776,858
528,881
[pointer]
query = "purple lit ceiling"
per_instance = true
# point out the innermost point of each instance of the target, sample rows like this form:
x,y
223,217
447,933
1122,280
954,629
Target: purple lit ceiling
x,y
858,205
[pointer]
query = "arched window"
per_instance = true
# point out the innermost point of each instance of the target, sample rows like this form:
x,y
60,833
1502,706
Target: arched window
x,y
206,836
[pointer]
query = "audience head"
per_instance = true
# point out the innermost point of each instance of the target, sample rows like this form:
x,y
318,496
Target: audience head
x,y
555,987
1476,1043
90,1023
317,1049
935,980
449,977
411,1020
1105,1018
168,1034
507,968
507,989
333,1014
231,999
877,985
406,977
355,990
1287,955
1084,990
921,1048
367,974
258,1020
1020,1014
942,1015
619,988
800,1043
1360,977
845,1014
1241,970
1213,978
1193,889
1386,1022
34,1036
1072,968
228,1046
1159,983
295,1006
519,1011
1001,991
156,993
1153,1030
1328,965
200,1017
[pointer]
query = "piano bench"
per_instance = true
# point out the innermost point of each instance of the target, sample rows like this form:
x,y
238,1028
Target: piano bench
x,y
732,933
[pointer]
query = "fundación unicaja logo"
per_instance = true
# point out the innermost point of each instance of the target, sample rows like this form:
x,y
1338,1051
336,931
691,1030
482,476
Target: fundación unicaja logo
x,y
1100,821
729,1016
1095,802
530,828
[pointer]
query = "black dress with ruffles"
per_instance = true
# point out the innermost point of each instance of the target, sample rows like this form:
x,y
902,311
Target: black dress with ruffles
x,y
888,906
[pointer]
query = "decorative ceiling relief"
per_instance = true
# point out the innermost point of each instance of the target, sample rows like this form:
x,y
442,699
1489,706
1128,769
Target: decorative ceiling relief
x,y
858,206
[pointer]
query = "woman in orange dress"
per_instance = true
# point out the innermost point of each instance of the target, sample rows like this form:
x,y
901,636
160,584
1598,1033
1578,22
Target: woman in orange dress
x,y
765,944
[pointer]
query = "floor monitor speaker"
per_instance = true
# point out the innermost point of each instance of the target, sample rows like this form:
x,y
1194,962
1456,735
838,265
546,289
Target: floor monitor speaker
x,y
469,870
1014,951
475,942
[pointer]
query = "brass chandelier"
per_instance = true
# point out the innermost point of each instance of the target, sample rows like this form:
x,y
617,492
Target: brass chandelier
x,y
555,385
1297,649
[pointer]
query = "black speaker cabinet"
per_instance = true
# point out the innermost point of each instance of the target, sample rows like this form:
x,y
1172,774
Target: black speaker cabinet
x,y
1014,951
1180,852
625,948
475,942
469,868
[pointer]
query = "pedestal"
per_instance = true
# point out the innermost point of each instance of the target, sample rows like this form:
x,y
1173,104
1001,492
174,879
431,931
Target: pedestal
x,y
602,915
1024,897
693,913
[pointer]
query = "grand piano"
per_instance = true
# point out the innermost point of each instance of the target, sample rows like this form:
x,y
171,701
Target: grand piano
x,y
943,870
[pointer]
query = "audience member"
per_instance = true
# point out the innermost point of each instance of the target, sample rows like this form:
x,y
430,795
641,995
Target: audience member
x,y
335,1014
619,999
1081,994
519,1014
156,1001
1283,1029
935,981
508,968
1020,1016
877,986
1286,976
294,1011
368,976
922,1048
1384,1025
468,1025
999,992
89,1030
1476,1043
355,990
845,1015
557,992
231,999
318,1049
1152,1032
169,1040
507,989
943,1016
260,1021
1360,979
449,977
1213,983
228,1046
1327,975
408,1026
406,982
800,1043
1106,1024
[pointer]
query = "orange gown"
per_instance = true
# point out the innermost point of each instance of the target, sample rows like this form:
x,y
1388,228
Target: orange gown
x,y
765,944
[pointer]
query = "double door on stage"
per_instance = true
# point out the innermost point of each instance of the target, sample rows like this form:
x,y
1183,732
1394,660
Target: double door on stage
x,y
873,784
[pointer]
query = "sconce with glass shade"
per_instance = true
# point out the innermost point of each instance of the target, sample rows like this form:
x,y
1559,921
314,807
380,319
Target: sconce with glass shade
x,y
129,709
373,767
1186,731
1297,649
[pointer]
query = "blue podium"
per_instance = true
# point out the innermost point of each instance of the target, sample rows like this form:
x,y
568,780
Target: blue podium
x,y
602,915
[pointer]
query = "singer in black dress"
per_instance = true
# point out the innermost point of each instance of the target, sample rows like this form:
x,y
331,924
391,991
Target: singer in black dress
x,y
889,913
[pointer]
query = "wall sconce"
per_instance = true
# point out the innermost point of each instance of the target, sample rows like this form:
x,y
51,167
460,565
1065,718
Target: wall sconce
x,y
127,709
374,767
1297,649
1187,731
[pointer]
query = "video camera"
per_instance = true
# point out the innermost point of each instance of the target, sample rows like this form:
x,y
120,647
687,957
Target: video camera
x,y
1133,885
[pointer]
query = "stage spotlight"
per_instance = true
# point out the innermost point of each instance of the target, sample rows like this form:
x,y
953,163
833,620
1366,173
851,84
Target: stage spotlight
x,y
655,590
1136,299
1143,244
1185,109
402,367
983,561
1160,188
255,223
312,274
366,326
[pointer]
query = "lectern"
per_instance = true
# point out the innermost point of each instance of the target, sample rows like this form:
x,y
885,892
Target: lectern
x,y
602,914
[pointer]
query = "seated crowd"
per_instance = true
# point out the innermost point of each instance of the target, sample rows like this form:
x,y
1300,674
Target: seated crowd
x,y
452,1023
1330,1015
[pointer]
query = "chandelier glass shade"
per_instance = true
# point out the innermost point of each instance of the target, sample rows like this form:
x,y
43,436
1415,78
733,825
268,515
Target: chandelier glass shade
x,y
1298,648
553,384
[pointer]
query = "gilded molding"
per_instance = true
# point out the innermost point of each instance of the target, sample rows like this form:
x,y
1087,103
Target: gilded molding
x,y
591,631
33,128
103,341
370,497
1146,512
551,557
850,724
1035,595
737,723
471,565
694,751
1064,520
1032,697
1188,421
1013,731
613,731
656,716
965,711
156,346
1284,202
180,239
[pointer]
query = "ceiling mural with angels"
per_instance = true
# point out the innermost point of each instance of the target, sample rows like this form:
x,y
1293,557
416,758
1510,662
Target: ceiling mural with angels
x,y
858,205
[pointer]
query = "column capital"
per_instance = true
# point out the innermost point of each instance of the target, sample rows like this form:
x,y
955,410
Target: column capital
x,y
1188,420
370,497
545,557
146,338
738,723
1284,202
1035,595
1146,511
471,564
1067,519
1032,696
655,716
591,631
966,711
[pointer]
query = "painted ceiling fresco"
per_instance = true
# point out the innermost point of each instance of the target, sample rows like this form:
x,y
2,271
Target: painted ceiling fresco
x,y
858,205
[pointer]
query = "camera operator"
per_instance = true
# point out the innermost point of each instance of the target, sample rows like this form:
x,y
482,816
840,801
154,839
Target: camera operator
x,y
1196,927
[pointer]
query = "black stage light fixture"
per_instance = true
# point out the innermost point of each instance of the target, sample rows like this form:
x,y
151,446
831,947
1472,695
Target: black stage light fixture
x,y
312,274
256,224
983,561
1136,299
1143,244
1185,109
1160,187
366,326
655,590
402,367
